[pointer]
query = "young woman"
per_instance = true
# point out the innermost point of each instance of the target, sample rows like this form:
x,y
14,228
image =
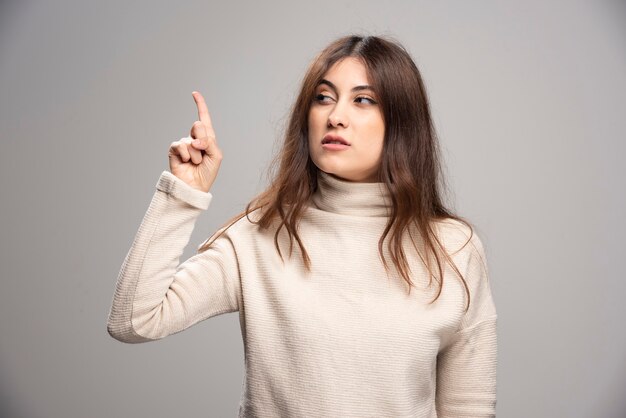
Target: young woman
x,y
331,326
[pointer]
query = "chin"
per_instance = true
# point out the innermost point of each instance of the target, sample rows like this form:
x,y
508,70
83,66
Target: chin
x,y
333,171
339,172
340,175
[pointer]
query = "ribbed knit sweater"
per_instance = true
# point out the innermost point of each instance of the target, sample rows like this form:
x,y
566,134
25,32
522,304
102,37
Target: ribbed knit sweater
x,y
343,340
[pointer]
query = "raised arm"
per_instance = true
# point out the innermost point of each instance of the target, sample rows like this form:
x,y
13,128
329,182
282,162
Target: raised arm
x,y
155,296
466,364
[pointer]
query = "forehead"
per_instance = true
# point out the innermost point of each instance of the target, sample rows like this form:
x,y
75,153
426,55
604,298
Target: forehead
x,y
347,72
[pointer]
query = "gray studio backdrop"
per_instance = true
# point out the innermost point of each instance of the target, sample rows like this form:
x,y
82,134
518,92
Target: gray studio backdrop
x,y
528,100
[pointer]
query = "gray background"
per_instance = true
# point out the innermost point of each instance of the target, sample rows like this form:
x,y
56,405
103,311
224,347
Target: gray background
x,y
528,99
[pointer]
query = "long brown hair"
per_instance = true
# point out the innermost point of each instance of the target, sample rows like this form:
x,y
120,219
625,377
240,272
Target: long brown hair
x,y
410,164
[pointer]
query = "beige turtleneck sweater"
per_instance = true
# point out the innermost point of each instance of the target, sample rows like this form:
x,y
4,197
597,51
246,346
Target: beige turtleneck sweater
x,y
344,340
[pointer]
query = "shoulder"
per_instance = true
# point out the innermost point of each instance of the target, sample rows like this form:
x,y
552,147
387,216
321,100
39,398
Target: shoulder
x,y
240,228
465,247
458,237
242,225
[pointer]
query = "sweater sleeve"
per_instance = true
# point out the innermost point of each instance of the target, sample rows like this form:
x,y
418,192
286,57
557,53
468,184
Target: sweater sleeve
x,y
155,296
466,364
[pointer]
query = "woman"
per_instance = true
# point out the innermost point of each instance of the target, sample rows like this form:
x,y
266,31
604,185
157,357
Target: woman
x,y
330,327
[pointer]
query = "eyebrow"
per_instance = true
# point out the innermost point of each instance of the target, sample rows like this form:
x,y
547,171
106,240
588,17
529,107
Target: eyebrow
x,y
357,88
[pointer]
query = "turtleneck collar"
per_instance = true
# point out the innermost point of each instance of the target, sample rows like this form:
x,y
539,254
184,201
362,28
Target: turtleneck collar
x,y
351,198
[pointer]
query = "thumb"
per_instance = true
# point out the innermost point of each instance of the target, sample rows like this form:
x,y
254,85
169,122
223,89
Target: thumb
x,y
200,143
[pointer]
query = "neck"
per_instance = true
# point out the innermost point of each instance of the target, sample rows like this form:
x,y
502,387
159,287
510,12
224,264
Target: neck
x,y
345,197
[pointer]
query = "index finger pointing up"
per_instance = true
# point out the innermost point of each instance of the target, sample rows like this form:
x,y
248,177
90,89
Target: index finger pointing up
x,y
203,111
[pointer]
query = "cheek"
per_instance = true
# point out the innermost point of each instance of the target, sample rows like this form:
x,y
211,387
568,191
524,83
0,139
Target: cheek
x,y
314,119
316,125
311,131
380,129
376,131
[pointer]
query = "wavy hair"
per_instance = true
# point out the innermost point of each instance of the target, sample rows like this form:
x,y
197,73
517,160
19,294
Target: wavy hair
x,y
410,165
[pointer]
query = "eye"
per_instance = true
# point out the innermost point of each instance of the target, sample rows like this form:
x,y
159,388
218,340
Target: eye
x,y
320,98
366,98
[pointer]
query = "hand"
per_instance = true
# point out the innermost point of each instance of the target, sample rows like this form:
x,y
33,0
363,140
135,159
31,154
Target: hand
x,y
196,159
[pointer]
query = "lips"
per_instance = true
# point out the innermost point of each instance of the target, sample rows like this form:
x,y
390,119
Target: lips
x,y
330,138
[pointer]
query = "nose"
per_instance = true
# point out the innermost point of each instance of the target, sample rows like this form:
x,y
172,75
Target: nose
x,y
337,117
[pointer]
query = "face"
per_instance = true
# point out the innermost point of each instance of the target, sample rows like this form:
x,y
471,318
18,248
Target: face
x,y
343,107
